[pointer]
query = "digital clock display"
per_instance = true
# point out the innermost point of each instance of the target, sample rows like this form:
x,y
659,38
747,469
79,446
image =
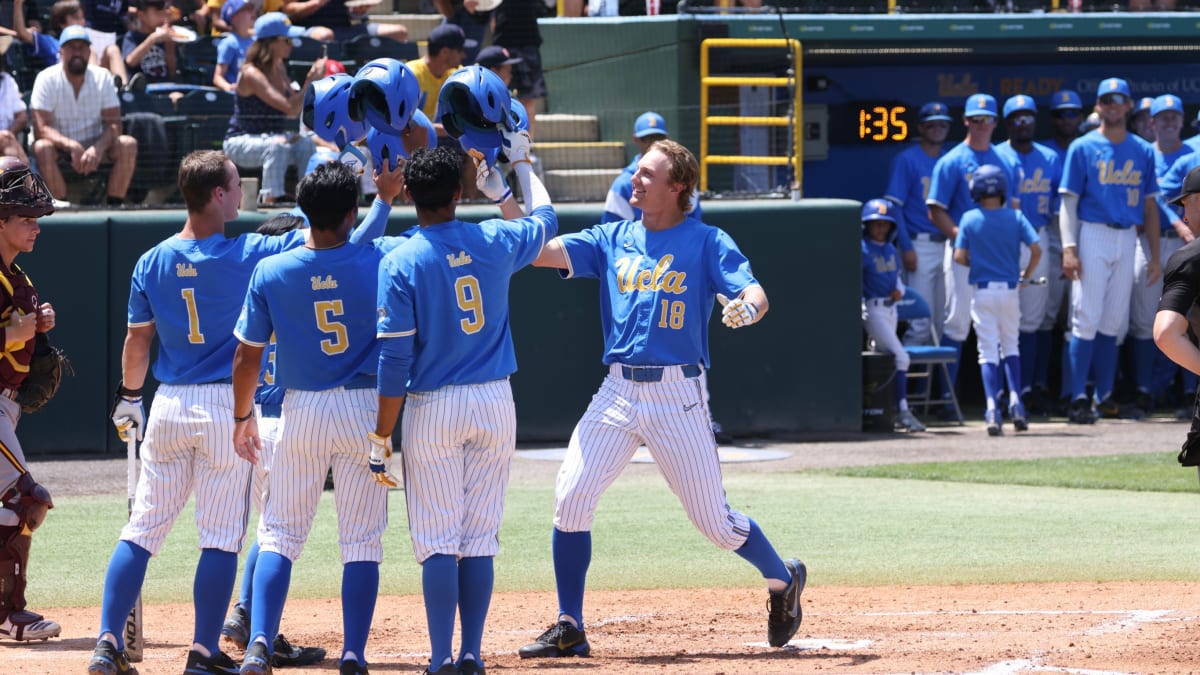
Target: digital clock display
x,y
882,123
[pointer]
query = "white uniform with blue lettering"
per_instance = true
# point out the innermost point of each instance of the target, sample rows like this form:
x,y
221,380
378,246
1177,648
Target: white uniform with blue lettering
x,y
880,277
1112,182
446,291
997,239
190,291
950,189
656,297
911,173
1041,172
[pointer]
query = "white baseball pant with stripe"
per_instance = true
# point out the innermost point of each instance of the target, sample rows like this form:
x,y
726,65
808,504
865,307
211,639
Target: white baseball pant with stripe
x,y
269,429
189,447
958,298
930,282
996,313
671,418
1143,303
323,429
1057,287
881,326
1034,297
458,444
1100,298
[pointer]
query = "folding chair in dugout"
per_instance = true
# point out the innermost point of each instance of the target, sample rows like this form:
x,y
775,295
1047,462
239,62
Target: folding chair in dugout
x,y
926,360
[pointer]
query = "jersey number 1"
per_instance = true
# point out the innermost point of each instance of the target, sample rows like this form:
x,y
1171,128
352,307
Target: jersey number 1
x,y
189,299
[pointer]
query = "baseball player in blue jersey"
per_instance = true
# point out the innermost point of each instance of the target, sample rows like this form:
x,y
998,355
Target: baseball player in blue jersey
x,y
184,291
1171,185
990,241
1108,189
1167,116
950,197
882,287
649,127
908,186
1041,171
448,369
319,302
1141,122
659,276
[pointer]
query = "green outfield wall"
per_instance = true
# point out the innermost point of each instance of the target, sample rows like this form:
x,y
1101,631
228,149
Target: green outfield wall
x,y
797,371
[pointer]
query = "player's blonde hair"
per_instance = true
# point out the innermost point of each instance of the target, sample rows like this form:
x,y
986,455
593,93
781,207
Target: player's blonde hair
x,y
685,170
199,173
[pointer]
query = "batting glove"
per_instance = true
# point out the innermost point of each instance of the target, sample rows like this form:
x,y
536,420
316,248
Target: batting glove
x,y
489,181
517,145
381,460
127,414
737,312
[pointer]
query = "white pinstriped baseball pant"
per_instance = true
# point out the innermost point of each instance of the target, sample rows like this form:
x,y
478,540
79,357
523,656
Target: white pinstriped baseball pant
x,y
671,418
458,444
1100,297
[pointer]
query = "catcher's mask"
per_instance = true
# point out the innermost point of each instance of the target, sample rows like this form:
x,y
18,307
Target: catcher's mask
x,y
22,192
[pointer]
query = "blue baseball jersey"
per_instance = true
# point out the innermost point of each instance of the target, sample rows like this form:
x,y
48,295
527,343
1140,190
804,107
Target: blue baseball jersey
x,y
1163,163
231,51
321,304
1193,142
268,393
994,238
190,290
447,287
1170,185
1041,172
658,287
616,202
1056,148
949,185
908,186
881,269
1112,181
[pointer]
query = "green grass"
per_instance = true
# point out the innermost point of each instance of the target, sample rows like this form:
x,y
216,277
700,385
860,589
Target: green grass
x,y
850,530
1154,472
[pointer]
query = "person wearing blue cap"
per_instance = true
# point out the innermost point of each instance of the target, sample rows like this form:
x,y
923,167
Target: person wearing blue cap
x,y
1141,122
648,128
950,197
1041,171
1108,189
262,130
922,245
239,15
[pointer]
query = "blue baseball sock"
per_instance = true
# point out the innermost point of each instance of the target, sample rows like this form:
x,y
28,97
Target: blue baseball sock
x,y
122,583
572,553
360,588
1027,345
1012,373
760,553
1080,364
901,383
1104,361
215,574
1041,363
1144,353
272,577
475,579
439,582
990,374
246,596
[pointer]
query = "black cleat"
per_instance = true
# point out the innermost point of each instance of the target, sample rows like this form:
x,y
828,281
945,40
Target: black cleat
x,y
236,630
471,667
445,669
785,614
1109,409
287,655
352,668
217,664
995,427
256,661
108,660
561,639
1081,412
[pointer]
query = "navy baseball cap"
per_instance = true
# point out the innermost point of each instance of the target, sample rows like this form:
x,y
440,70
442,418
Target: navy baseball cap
x,y
933,111
495,56
1166,102
448,35
980,105
1113,85
275,24
878,209
232,7
1019,103
1065,99
74,33
649,123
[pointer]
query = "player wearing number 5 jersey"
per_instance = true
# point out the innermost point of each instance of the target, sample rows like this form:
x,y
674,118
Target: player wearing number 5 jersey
x,y
659,276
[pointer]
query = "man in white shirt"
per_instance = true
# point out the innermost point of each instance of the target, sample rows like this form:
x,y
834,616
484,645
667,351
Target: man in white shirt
x,y
76,116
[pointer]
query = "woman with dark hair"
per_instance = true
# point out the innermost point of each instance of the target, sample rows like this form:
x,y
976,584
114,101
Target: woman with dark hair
x,y
264,131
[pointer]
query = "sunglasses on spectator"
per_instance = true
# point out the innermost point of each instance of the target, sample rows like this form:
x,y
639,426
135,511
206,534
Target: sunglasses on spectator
x,y
1113,99
1022,120
1067,114
981,119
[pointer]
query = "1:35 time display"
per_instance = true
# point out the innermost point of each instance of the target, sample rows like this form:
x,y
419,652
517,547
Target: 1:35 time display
x,y
882,123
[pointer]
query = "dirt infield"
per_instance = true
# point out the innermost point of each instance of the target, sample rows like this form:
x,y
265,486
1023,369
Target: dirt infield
x,y
1062,628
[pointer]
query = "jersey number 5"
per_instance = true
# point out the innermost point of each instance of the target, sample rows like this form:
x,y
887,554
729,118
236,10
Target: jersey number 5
x,y
325,310
470,300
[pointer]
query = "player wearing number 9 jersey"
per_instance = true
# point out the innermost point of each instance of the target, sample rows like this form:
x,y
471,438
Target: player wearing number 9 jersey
x,y
446,357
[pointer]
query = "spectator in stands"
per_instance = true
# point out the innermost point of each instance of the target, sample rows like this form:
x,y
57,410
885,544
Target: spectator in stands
x,y
1149,5
77,119
648,128
263,131
13,117
231,50
475,18
499,61
444,54
44,45
516,29
108,19
329,20
149,47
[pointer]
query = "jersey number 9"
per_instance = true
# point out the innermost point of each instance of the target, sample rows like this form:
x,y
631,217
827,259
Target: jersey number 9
x,y
470,300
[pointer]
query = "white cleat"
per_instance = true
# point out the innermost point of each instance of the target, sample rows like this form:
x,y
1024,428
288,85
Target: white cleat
x,y
908,421
25,626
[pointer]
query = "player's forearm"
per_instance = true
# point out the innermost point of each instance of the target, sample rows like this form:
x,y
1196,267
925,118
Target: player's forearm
x,y
135,359
1035,255
1068,220
388,415
1151,225
531,186
962,256
1170,334
756,296
247,363
942,221
553,255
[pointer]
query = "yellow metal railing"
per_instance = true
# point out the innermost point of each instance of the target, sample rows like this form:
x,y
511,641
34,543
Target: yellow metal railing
x,y
795,121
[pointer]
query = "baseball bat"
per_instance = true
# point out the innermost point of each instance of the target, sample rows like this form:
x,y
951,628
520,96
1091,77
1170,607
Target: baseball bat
x,y
133,622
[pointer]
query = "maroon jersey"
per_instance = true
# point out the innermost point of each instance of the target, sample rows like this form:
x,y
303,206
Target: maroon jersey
x,y
16,293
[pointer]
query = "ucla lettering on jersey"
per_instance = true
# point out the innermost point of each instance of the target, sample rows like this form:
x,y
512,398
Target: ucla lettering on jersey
x,y
1108,174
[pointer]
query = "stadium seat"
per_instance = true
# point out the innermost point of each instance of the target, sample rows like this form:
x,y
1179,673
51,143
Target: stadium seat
x,y
926,361
305,50
198,60
208,113
358,50
136,101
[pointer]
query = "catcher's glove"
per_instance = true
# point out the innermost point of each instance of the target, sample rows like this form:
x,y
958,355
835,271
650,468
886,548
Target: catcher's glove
x,y
46,370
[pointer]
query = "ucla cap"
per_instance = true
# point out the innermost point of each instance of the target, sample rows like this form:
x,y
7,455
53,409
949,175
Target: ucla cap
x,y
1166,102
1065,99
1019,103
232,7
934,111
74,33
649,123
1113,85
980,105
275,24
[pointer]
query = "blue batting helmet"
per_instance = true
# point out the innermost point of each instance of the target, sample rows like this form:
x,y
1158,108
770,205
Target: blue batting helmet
x,y
879,209
989,180
386,147
474,99
326,113
490,144
385,93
